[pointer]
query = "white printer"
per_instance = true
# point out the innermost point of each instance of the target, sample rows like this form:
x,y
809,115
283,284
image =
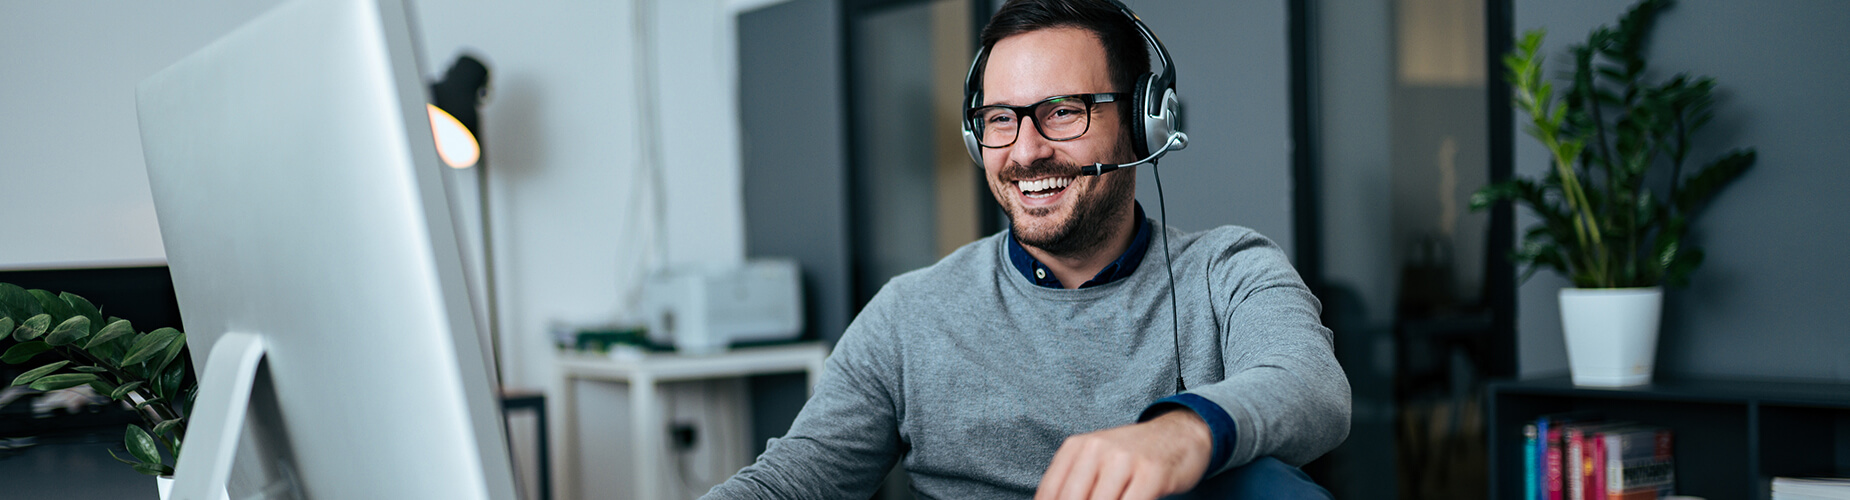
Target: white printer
x,y
702,311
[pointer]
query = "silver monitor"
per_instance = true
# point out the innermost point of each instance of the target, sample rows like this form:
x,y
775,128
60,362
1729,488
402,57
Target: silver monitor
x,y
305,223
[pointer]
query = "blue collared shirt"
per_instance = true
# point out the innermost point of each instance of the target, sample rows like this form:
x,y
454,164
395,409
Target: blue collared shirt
x,y
1220,424
1118,269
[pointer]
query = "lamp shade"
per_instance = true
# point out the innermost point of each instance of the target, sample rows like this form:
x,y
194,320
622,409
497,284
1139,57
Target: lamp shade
x,y
454,116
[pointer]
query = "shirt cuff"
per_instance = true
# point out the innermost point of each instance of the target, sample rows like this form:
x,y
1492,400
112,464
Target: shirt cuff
x,y
1220,424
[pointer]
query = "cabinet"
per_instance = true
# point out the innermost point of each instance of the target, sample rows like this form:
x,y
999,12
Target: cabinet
x,y
1732,436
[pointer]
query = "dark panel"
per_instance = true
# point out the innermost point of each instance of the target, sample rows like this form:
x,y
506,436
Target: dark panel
x,y
142,295
795,176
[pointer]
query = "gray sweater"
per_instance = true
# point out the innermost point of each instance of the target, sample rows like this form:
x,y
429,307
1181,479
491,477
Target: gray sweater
x,y
973,375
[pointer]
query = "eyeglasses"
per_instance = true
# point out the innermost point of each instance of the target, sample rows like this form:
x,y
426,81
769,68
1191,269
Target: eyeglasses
x,y
1059,118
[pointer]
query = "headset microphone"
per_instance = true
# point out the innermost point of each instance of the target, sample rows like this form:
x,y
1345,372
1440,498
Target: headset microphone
x,y
1177,141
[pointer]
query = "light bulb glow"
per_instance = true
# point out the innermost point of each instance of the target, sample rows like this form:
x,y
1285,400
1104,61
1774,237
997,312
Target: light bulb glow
x,y
457,147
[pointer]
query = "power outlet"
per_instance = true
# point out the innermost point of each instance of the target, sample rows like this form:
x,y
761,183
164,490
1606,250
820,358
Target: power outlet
x,y
683,436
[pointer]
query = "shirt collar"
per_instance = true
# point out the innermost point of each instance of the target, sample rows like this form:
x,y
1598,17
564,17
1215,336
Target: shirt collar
x,y
1118,269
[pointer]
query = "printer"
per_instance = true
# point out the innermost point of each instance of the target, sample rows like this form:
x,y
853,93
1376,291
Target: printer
x,y
704,311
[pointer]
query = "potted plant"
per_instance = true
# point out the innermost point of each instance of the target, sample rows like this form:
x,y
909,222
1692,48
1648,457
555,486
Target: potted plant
x,y
70,343
1616,206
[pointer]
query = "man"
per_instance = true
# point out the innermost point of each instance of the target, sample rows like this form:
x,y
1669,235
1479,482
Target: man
x,y
1044,360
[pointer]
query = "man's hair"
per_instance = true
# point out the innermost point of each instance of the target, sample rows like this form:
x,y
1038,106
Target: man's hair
x,y
1126,55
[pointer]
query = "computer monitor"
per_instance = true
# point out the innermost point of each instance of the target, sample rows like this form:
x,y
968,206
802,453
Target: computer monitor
x,y
316,265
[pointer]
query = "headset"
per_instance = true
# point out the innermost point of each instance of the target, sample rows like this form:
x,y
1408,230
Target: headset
x,y
1154,132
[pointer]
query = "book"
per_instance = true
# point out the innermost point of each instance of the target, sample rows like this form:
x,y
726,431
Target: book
x,y
1579,438
1531,478
1549,452
1808,488
1639,462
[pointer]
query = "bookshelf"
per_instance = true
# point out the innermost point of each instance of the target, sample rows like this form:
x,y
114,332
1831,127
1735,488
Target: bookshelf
x,y
1732,435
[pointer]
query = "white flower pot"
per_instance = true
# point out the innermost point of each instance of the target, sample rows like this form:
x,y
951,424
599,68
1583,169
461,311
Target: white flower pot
x,y
1611,334
165,485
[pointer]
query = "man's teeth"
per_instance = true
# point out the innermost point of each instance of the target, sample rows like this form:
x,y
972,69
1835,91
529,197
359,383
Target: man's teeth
x,y
1044,184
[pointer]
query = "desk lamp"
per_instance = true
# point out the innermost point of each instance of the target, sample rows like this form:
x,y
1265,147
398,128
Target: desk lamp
x,y
456,124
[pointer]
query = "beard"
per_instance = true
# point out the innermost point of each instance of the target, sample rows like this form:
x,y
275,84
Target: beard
x,y
1089,225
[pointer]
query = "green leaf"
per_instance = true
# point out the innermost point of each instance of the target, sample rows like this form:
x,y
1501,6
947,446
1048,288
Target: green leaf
x,y
84,308
102,385
112,454
24,351
35,373
147,346
32,327
16,302
116,329
154,469
123,390
91,369
141,445
166,426
145,404
1696,191
6,326
172,353
170,381
63,381
56,307
71,330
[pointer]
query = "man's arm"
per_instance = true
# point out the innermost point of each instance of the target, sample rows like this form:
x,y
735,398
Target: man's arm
x,y
1284,394
846,438
1284,391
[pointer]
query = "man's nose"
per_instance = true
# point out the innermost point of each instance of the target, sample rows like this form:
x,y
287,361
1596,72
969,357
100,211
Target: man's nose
x,y
1029,145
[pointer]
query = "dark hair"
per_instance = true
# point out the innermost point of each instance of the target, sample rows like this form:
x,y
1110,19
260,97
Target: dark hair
x,y
1126,56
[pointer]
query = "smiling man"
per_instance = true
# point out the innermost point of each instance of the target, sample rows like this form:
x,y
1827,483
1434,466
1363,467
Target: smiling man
x,y
1048,360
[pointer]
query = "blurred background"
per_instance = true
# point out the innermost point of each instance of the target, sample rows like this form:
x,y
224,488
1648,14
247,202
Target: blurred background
x,y
627,138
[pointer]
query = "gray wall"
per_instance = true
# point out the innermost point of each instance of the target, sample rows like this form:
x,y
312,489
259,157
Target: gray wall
x,y
1233,74
795,169
794,176
1768,301
894,161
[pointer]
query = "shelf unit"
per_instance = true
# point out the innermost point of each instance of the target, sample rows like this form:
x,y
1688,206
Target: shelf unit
x,y
1732,436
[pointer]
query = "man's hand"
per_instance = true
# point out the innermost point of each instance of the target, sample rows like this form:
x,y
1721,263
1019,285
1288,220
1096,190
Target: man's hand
x,y
1163,456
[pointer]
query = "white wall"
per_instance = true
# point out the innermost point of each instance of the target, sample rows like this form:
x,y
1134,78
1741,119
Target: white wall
x,y
72,186
573,216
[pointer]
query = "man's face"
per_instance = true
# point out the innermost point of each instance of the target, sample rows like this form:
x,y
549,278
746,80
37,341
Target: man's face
x,y
1064,214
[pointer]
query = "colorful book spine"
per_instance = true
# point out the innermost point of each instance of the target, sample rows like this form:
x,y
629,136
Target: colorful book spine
x,y
1531,475
1596,466
1577,462
1639,463
1551,465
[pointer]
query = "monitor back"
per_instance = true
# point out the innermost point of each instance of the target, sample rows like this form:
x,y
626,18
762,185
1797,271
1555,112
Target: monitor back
x,y
299,198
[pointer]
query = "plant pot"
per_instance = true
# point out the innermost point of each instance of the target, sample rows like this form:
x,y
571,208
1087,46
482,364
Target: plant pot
x,y
165,485
1611,334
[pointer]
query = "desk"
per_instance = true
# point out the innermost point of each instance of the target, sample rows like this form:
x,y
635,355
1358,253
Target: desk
x,y
643,373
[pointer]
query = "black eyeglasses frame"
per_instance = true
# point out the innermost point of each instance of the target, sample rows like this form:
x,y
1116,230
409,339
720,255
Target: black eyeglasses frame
x,y
1028,112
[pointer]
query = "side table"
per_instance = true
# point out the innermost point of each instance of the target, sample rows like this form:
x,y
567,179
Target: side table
x,y
643,374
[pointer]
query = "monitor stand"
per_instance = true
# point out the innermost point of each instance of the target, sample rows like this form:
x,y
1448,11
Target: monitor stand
x,y
217,417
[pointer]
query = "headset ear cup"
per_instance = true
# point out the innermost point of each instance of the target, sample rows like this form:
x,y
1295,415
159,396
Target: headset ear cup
x,y
1140,145
1162,126
970,142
